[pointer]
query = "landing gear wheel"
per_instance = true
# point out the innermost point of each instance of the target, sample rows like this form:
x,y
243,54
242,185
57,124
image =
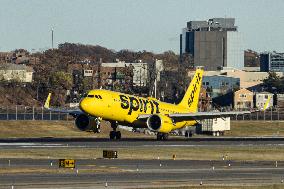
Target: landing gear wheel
x,y
162,136
165,136
188,134
97,129
112,135
118,135
159,136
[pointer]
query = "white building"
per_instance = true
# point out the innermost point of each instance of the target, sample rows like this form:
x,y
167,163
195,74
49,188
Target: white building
x,y
20,73
263,100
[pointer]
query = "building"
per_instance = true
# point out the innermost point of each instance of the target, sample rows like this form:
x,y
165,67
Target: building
x,y
263,100
219,85
140,71
280,101
248,79
272,62
214,44
243,99
14,72
6,57
251,58
205,101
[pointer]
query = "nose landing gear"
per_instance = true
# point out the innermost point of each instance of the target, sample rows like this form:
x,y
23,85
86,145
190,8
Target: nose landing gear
x,y
97,128
114,134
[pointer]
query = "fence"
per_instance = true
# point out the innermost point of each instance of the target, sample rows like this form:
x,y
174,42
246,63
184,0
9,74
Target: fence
x,y
39,113
269,115
31,113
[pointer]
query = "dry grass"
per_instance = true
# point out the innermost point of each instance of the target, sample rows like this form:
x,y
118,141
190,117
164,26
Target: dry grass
x,y
256,128
31,129
245,153
271,186
28,129
55,170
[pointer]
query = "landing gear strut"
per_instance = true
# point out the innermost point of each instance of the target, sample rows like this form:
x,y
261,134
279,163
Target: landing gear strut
x,y
97,128
114,134
162,136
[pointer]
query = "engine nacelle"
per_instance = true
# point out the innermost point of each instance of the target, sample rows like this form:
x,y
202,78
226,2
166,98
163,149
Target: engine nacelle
x,y
85,123
160,123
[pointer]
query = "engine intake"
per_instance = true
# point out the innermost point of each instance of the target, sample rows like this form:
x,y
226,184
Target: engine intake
x,y
84,122
160,123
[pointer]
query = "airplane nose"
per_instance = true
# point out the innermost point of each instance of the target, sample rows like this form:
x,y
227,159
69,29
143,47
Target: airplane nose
x,y
83,104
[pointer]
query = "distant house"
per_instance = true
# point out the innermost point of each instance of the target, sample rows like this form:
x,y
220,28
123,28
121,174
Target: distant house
x,y
243,99
20,73
263,100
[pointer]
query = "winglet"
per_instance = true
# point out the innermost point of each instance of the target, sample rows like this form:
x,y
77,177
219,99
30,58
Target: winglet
x,y
46,104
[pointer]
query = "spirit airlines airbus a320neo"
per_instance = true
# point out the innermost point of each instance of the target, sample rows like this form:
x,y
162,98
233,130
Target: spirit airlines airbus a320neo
x,y
137,112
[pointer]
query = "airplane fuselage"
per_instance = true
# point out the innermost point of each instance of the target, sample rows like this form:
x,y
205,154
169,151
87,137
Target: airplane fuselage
x,y
125,108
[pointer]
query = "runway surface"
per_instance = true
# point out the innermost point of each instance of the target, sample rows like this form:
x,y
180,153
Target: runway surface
x,y
140,173
133,173
136,142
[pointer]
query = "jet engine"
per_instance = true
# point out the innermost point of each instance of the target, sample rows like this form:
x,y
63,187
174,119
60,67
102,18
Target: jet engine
x,y
86,123
160,123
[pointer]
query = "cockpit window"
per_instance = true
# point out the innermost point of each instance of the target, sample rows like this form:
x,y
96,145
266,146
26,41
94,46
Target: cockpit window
x,y
91,96
96,96
100,97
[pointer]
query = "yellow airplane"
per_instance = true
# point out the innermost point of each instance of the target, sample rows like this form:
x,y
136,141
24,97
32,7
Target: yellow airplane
x,y
138,112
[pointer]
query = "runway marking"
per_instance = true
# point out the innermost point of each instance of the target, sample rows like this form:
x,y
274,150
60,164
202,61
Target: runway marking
x,y
26,144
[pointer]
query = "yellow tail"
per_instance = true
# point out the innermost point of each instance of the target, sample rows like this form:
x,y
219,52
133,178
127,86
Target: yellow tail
x,y
191,97
46,104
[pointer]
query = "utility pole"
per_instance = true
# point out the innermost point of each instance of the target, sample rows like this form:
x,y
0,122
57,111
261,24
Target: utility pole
x,y
99,73
52,38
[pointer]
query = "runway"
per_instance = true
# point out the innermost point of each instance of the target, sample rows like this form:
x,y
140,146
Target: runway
x,y
135,173
137,142
141,173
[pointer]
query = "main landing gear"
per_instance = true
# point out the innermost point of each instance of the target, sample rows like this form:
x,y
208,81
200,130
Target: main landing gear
x,y
114,134
162,136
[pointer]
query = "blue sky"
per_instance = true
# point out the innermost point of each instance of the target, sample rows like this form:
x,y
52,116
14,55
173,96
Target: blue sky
x,y
152,25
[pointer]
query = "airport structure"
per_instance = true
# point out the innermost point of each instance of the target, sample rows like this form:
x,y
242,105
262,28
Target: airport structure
x,y
272,62
214,44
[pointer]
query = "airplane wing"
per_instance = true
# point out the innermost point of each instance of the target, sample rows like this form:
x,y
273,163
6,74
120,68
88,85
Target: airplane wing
x,y
73,112
198,115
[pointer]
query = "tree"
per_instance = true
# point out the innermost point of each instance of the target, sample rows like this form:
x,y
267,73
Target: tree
x,y
273,83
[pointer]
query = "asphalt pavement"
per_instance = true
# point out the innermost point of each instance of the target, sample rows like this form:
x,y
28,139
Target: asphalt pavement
x,y
133,173
116,173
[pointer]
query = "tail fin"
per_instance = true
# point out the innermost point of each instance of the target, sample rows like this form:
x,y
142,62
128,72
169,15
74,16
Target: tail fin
x,y
46,104
191,97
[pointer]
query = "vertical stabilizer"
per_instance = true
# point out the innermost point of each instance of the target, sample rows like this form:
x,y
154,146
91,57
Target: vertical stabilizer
x,y
191,97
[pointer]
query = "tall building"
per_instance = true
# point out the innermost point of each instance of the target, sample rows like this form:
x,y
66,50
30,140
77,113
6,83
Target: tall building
x,y
214,44
272,62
